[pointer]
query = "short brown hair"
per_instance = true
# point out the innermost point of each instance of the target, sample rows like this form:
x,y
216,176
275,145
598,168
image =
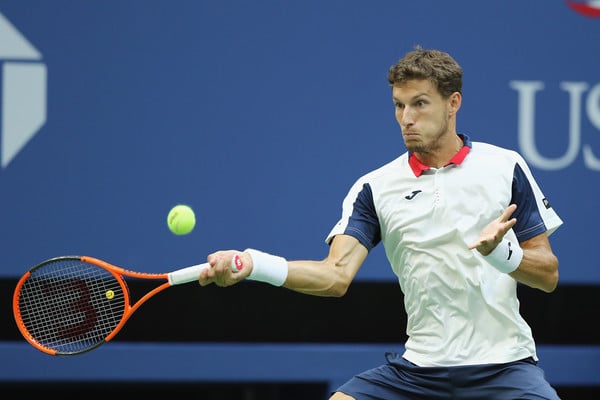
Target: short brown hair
x,y
434,65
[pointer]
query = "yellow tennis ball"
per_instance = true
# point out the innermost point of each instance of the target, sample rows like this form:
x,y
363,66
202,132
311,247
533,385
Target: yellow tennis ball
x,y
110,294
181,219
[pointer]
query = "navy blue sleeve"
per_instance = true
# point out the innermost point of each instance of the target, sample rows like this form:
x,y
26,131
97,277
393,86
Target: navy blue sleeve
x,y
363,224
529,221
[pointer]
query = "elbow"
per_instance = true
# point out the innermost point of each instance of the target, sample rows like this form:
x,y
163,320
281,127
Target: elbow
x,y
551,284
340,285
551,281
339,289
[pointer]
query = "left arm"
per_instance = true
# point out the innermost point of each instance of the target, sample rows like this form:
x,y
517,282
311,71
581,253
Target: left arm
x,y
538,267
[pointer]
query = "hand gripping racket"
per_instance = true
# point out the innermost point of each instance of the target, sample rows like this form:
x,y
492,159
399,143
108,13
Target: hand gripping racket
x,y
69,305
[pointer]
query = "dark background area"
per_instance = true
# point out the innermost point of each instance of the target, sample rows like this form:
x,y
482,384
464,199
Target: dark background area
x,y
369,313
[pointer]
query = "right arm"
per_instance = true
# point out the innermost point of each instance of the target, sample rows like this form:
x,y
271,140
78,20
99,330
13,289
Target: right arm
x,y
329,277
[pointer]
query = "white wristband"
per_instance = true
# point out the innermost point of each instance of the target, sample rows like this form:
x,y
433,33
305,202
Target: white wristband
x,y
506,257
268,268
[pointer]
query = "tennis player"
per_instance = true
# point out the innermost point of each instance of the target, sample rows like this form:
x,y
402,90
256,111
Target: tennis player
x,y
462,222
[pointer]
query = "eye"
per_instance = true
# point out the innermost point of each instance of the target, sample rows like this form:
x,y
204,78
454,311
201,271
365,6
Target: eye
x,y
420,103
397,104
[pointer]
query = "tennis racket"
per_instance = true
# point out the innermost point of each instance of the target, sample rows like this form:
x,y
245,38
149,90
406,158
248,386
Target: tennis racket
x,y
69,305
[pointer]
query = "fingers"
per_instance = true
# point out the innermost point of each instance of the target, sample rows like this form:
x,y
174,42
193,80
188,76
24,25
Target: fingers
x,y
508,212
508,223
476,244
493,233
504,223
221,271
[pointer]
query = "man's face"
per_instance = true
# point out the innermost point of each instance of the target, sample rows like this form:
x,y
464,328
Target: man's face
x,y
422,113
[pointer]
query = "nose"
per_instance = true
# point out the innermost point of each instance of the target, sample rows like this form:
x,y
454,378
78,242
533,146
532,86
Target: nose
x,y
405,116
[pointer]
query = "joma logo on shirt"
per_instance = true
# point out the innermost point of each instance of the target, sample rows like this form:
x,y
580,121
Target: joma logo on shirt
x,y
413,194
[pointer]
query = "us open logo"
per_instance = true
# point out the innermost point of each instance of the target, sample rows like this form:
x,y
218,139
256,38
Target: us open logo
x,y
23,91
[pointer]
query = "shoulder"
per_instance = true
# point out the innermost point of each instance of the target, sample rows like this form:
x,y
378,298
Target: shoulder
x,y
491,153
380,176
491,149
505,162
395,167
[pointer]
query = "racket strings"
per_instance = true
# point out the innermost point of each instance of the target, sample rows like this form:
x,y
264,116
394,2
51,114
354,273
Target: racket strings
x,y
71,306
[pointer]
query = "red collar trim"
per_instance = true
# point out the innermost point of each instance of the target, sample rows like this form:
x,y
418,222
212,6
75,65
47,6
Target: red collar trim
x,y
418,167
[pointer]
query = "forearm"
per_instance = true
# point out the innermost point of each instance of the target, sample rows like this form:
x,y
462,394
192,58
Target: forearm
x,y
329,277
538,269
317,278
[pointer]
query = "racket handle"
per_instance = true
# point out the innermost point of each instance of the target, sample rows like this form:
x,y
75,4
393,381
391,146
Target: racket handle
x,y
186,275
191,274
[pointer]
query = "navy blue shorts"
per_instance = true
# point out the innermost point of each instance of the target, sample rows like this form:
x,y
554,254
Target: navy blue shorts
x,y
400,379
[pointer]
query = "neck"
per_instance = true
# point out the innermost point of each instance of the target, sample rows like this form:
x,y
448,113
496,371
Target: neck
x,y
442,155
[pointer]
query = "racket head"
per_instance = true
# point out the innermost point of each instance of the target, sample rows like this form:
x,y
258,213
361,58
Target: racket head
x,y
70,305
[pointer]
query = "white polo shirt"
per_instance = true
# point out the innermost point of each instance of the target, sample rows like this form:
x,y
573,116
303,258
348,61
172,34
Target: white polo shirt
x,y
461,310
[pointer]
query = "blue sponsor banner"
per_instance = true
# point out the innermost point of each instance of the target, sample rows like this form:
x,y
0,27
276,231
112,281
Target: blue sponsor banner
x,y
260,115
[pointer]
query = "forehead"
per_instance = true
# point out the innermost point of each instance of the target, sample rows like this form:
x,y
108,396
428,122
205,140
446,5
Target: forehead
x,y
413,88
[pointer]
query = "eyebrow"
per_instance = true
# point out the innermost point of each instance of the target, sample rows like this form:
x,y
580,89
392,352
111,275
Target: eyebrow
x,y
415,97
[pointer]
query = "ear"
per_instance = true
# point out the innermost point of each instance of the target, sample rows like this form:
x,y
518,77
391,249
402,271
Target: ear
x,y
454,102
